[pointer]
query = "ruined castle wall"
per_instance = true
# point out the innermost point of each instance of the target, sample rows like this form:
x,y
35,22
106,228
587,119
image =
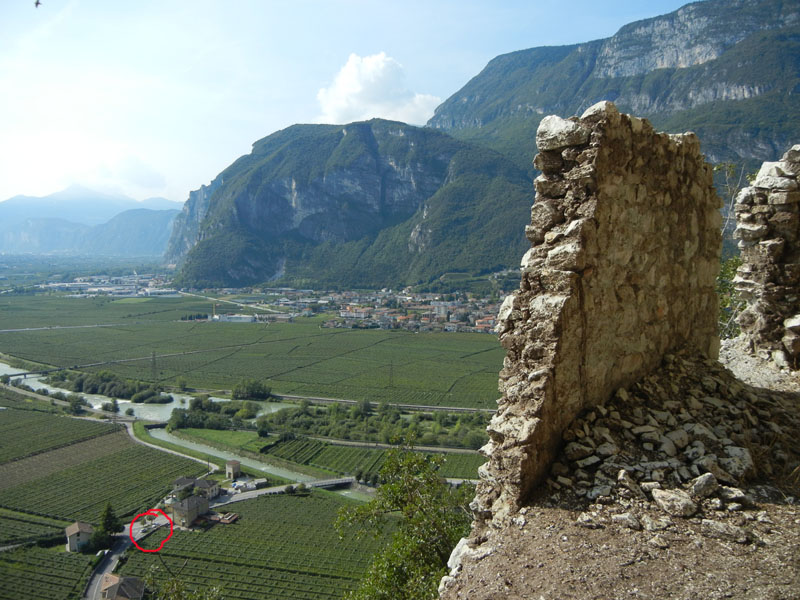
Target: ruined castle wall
x,y
625,236
768,228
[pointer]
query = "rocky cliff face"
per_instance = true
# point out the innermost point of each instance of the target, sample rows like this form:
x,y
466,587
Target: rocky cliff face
x,y
314,200
692,35
186,228
719,67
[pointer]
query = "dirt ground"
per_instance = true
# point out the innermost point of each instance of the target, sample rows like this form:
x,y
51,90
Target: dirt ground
x,y
551,557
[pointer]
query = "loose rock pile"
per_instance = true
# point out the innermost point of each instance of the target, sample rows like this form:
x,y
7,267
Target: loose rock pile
x,y
682,443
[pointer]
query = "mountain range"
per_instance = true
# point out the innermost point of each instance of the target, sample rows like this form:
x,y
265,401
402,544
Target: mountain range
x,y
79,221
381,203
727,69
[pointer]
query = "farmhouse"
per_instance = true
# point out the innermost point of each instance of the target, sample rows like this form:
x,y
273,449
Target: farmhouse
x,y
114,587
233,468
206,487
78,535
186,511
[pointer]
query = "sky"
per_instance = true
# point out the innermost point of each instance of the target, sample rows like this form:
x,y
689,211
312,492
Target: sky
x,y
155,97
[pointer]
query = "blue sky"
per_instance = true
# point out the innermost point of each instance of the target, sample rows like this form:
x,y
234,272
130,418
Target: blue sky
x,y
156,97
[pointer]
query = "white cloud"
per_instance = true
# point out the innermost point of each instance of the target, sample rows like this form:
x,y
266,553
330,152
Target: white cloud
x,y
373,86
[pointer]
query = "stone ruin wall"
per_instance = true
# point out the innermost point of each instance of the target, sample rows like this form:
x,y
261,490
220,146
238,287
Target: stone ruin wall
x,y
768,228
625,235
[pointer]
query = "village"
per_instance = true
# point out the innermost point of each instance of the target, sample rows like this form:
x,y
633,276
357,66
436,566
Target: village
x,y
383,309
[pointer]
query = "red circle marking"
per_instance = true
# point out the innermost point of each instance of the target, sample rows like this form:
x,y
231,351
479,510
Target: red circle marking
x,y
154,512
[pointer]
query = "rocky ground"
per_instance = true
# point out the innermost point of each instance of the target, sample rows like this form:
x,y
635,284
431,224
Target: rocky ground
x,y
685,486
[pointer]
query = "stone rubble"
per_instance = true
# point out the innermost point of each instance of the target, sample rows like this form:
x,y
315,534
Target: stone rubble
x,y
721,435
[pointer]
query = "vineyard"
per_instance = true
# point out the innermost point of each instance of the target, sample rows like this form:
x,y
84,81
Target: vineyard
x,y
281,547
43,574
44,464
367,462
429,369
19,527
131,478
25,433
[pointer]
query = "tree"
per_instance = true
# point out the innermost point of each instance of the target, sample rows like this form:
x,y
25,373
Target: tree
x,y
109,521
102,537
251,388
433,518
76,404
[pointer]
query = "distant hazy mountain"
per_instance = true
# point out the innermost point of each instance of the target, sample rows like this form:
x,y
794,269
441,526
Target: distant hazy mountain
x,y
81,221
727,69
366,204
76,204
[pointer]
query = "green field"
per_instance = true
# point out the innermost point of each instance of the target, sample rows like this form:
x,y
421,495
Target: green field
x,y
239,440
43,574
436,369
281,547
75,481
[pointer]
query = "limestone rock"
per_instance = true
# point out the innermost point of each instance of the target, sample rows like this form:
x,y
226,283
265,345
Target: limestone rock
x,y
723,531
674,502
601,110
555,132
627,520
739,462
703,486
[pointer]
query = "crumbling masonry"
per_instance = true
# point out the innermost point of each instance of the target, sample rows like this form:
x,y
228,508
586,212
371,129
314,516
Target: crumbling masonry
x,y
768,227
625,234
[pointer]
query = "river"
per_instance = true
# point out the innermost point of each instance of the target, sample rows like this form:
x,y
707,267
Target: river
x,y
148,412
